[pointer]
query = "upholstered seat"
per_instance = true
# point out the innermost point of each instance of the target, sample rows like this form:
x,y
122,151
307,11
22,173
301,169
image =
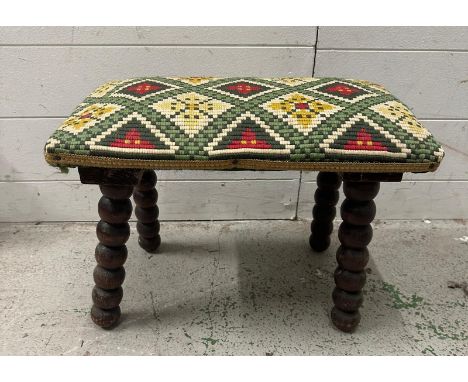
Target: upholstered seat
x,y
325,124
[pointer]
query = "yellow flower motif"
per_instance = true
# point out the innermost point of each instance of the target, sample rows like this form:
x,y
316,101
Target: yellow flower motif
x,y
191,111
194,80
302,111
292,81
367,83
401,115
88,117
104,89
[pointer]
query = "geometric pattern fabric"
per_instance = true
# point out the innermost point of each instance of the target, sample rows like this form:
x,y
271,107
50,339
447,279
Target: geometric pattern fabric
x,y
257,123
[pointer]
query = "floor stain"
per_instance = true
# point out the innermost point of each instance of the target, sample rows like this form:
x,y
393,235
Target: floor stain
x,y
186,334
429,350
449,331
426,328
401,301
208,341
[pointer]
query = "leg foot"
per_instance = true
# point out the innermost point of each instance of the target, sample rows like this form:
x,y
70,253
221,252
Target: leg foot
x,y
147,212
105,318
345,321
326,196
355,233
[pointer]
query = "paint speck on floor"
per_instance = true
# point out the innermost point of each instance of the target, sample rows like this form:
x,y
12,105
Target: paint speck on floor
x,y
400,301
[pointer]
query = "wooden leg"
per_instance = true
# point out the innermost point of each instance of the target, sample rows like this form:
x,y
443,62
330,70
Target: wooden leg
x,y
113,231
355,233
326,196
147,212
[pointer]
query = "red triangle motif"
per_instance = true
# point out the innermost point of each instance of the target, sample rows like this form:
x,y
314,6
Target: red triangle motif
x,y
249,140
132,140
143,88
364,141
244,88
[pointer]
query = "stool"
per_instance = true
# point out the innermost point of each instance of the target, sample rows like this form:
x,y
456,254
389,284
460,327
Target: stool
x,y
351,131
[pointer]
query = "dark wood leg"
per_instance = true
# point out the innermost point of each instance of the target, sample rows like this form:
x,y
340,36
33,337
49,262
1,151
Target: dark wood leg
x,y
326,196
113,231
147,212
355,233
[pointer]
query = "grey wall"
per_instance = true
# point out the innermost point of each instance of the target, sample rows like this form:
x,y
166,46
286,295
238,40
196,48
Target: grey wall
x,y
46,71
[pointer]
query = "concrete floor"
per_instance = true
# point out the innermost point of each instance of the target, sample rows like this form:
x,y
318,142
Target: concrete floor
x,y
241,288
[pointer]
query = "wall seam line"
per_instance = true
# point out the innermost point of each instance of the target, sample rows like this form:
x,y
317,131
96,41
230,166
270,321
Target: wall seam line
x,y
155,46
313,74
300,172
390,50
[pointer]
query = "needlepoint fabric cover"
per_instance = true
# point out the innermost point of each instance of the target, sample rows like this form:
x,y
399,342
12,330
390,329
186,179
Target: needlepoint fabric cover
x,y
244,123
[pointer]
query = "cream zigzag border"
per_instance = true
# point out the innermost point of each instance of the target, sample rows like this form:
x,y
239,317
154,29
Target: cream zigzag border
x,y
116,94
94,146
93,121
352,121
278,138
367,93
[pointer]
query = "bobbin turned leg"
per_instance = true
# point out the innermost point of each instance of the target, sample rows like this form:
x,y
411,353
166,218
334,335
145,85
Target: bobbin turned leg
x,y
147,212
113,231
324,211
355,233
